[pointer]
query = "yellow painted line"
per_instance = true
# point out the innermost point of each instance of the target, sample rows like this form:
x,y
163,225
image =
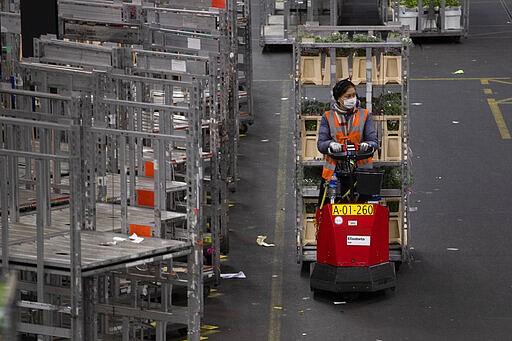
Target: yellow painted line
x,y
500,81
483,80
504,101
276,292
498,117
488,91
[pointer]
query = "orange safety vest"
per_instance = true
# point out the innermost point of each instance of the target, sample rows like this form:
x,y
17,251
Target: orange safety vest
x,y
354,133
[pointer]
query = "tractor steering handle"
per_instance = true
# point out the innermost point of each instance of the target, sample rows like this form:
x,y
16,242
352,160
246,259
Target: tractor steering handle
x,y
350,155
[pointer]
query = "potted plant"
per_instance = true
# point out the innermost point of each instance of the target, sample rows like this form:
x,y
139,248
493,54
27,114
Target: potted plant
x,y
452,15
409,13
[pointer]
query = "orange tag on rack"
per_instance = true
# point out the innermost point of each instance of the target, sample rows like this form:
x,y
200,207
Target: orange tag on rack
x,y
219,3
140,230
149,169
146,197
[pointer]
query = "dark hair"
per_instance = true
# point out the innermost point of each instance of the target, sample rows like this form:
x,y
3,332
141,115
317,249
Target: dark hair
x,y
341,87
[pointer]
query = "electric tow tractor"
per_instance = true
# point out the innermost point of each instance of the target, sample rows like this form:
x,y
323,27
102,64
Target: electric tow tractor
x,y
353,231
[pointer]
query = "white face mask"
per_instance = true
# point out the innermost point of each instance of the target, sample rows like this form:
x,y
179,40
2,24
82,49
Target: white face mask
x,y
350,103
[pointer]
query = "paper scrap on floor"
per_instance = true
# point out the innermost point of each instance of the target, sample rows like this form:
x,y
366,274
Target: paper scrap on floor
x,y
261,241
239,274
136,239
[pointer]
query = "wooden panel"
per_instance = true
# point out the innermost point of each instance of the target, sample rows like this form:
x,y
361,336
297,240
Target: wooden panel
x,y
309,149
342,71
395,230
310,125
311,70
391,148
309,230
359,70
391,67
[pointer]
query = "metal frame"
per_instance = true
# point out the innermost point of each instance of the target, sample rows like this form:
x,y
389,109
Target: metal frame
x,y
439,17
300,91
289,12
113,142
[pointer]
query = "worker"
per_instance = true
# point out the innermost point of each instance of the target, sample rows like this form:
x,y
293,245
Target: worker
x,y
346,121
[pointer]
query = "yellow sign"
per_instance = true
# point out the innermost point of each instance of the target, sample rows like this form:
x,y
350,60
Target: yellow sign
x,y
353,209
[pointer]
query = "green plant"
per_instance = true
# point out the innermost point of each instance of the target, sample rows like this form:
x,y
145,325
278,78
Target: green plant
x,y
310,207
452,3
313,107
312,176
311,125
393,206
336,37
426,3
392,177
365,38
388,104
409,3
307,35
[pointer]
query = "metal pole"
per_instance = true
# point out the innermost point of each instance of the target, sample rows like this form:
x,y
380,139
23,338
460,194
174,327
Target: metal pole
x,y
12,181
4,199
76,209
369,76
334,13
194,212
123,184
159,185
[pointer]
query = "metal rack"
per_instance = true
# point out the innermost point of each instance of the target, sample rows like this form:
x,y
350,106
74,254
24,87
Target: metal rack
x,y
279,19
372,85
84,168
244,68
91,118
430,20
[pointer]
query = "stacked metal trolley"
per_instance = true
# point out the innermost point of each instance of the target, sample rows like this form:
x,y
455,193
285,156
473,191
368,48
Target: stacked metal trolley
x,y
377,60
429,18
128,126
279,19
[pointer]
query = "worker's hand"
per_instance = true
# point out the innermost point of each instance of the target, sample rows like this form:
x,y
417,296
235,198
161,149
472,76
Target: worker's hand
x,y
335,147
365,147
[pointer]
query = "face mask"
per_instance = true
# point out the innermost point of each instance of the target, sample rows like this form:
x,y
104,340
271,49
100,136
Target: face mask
x,y
350,103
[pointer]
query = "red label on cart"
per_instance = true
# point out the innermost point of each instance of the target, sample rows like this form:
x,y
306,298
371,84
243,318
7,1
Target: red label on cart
x,y
353,209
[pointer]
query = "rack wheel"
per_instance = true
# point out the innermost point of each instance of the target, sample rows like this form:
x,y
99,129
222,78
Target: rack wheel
x,y
206,291
243,128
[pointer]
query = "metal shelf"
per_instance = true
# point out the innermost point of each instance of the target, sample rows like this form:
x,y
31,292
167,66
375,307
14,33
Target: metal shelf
x,y
110,142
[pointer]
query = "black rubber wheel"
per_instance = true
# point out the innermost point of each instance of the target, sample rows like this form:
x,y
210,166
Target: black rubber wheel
x,y
206,291
224,244
243,128
232,187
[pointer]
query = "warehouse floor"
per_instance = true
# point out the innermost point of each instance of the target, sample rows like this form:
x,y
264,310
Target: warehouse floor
x,y
460,286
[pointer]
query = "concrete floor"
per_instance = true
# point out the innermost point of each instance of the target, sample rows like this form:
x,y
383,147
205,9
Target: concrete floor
x,y
460,287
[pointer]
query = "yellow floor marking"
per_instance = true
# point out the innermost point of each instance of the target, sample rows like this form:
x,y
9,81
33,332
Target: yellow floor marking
x,y
504,101
488,91
483,80
498,117
276,293
500,81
